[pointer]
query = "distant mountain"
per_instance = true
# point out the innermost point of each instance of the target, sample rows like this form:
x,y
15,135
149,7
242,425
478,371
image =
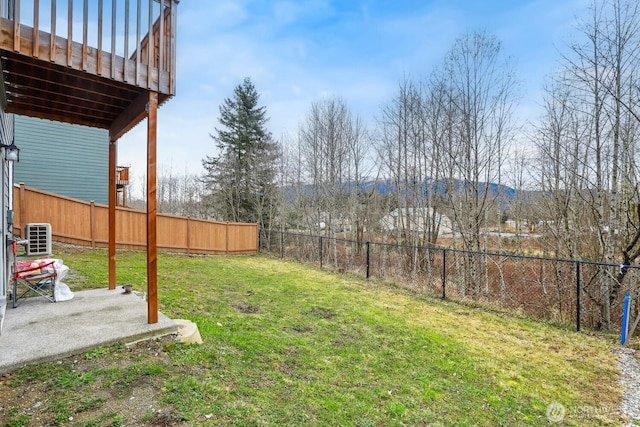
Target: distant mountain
x,y
386,187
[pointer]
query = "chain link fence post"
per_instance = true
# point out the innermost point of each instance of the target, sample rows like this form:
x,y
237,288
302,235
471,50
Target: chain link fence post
x,y
282,244
444,274
578,286
368,260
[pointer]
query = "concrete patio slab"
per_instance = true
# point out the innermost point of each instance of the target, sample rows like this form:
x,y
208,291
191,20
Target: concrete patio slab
x,y
38,331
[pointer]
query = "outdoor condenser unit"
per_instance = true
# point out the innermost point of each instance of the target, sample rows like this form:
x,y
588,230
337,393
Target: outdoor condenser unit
x,y
38,236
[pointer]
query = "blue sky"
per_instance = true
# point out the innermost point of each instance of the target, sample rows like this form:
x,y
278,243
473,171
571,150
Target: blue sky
x,y
297,52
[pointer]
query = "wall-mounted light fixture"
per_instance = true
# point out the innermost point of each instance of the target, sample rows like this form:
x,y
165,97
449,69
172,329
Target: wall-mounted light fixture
x,y
11,152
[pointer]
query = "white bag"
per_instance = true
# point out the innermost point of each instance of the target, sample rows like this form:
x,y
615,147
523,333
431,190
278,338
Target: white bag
x,y
62,292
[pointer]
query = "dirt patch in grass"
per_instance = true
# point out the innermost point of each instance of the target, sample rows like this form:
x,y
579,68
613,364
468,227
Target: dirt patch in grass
x,y
246,308
301,329
104,387
322,313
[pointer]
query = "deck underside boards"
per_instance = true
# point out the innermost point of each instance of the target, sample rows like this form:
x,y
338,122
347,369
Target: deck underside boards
x,y
40,83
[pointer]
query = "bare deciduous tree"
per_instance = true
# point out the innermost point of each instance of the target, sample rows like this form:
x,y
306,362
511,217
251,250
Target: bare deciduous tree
x,y
599,106
480,84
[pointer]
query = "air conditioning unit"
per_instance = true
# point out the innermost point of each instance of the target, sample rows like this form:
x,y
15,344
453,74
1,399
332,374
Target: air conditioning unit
x,y
38,236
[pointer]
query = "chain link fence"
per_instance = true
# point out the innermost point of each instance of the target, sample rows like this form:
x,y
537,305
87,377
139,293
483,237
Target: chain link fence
x,y
577,293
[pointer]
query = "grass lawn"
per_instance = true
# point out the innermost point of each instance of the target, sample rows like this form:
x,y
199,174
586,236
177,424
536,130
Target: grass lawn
x,y
288,345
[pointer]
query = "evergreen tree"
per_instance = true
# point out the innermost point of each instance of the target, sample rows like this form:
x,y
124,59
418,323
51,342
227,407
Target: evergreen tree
x,y
242,179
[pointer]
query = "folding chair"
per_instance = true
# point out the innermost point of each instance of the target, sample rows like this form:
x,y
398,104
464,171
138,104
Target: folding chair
x,y
32,277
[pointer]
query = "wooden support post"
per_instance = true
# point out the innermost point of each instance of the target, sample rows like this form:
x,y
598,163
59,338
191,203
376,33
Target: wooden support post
x,y
112,214
152,238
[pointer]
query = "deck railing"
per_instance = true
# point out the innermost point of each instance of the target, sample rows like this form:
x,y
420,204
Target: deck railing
x,y
122,175
109,38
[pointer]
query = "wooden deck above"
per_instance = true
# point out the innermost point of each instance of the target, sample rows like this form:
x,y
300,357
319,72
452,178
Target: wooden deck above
x,y
58,78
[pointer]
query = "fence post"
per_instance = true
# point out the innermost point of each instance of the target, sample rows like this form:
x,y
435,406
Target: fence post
x,y
444,274
226,241
320,239
92,223
368,259
578,286
188,235
624,330
260,240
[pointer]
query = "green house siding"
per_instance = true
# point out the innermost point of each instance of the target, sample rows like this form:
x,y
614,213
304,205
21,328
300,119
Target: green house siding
x,y
61,158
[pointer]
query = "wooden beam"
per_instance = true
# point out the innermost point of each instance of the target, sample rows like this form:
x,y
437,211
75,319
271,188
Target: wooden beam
x,y
42,101
131,116
152,238
46,113
40,71
81,99
112,213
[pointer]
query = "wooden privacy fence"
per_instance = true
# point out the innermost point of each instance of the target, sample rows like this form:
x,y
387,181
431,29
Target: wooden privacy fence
x,y
82,223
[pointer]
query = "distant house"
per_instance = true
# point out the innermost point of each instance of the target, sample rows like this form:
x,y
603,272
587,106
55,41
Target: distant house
x,y
415,220
63,158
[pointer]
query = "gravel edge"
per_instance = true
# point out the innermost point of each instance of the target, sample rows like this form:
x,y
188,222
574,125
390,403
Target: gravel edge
x,y
630,381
